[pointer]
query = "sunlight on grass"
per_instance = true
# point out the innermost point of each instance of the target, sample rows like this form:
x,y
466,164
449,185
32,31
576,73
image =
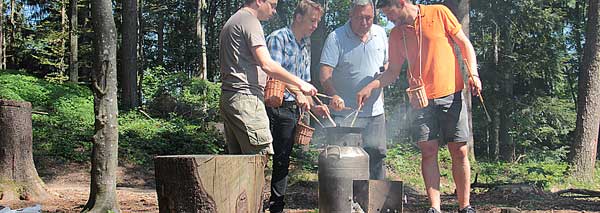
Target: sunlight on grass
x,y
404,161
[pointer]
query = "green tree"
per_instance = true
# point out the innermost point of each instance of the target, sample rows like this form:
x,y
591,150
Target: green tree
x,y
128,69
103,186
584,147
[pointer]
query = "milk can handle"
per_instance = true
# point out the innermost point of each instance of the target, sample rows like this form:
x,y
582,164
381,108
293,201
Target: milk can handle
x,y
336,146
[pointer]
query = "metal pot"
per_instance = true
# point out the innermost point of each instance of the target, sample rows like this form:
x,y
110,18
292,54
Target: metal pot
x,y
344,136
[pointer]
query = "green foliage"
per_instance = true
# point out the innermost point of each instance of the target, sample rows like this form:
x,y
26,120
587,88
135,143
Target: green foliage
x,y
542,128
306,160
49,50
543,174
142,138
527,68
67,130
404,159
167,93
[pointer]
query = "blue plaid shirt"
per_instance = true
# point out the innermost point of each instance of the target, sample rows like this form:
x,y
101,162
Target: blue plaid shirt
x,y
293,56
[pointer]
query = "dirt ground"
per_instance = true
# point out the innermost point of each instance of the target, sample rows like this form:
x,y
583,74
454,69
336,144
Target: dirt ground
x,y
69,185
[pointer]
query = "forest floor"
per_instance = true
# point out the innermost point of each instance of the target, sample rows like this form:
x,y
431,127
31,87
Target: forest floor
x,y
69,185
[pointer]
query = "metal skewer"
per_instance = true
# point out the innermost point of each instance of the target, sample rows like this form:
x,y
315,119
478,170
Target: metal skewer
x,y
330,119
316,119
355,115
324,96
328,115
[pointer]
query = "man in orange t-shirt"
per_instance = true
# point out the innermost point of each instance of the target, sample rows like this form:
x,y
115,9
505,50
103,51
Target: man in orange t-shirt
x,y
424,37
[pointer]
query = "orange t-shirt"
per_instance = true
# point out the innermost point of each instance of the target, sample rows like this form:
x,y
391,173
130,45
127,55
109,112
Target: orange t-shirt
x,y
440,69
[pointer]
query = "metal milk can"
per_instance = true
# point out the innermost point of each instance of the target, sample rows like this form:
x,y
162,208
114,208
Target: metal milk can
x,y
341,162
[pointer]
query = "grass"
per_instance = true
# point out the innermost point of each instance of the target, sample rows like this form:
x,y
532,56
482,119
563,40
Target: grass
x,y
404,159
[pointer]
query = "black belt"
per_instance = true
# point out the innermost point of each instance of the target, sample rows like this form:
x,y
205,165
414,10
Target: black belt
x,y
289,104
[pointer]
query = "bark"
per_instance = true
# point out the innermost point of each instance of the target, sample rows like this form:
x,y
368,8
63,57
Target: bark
x,y
13,11
18,177
583,150
317,40
104,83
2,51
13,32
507,145
129,55
494,140
140,53
211,28
209,183
494,143
180,187
161,41
460,8
202,37
63,42
73,38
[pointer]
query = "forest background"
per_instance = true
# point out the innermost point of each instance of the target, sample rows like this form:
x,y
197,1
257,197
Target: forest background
x,y
530,55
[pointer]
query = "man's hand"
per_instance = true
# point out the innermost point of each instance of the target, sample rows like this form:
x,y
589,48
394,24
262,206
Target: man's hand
x,y
308,89
363,95
302,102
321,110
475,85
337,103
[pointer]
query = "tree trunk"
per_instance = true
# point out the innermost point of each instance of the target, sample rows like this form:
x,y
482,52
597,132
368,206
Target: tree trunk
x,y
494,140
317,40
129,55
104,83
18,177
63,40
2,51
140,53
460,8
161,41
584,147
180,187
13,33
507,145
202,37
73,38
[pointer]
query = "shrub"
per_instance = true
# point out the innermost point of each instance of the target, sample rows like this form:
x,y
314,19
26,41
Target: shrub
x,y
66,132
193,98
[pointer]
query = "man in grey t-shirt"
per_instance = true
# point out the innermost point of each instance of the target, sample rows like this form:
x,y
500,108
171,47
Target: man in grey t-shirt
x,y
352,57
245,62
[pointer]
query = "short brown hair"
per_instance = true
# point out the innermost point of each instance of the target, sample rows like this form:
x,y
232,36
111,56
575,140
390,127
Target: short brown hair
x,y
386,3
305,5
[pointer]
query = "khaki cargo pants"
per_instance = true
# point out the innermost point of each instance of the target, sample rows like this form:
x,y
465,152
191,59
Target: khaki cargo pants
x,y
246,124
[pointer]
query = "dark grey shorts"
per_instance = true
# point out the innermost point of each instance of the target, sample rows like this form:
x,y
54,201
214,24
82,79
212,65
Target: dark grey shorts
x,y
444,118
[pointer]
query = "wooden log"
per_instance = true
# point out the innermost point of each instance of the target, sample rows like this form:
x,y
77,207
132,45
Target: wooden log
x,y
378,195
209,183
586,192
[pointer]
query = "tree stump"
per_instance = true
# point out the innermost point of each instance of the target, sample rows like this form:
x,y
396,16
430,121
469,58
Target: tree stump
x,y
18,177
209,183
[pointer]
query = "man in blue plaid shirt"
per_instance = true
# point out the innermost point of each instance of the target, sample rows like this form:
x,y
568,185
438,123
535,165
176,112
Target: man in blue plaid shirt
x,y
290,46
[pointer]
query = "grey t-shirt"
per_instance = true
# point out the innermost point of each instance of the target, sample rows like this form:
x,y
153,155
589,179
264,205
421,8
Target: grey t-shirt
x,y
240,72
356,63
